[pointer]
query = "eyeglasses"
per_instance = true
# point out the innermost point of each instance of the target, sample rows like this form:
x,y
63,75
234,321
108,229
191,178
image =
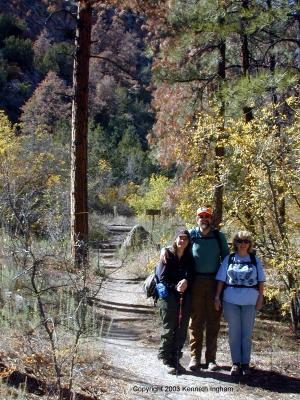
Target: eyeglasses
x,y
246,241
204,215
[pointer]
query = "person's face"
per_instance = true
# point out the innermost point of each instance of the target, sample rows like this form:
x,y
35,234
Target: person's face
x,y
182,241
242,244
204,220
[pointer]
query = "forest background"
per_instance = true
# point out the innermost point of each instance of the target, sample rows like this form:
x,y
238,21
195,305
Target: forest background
x,y
190,102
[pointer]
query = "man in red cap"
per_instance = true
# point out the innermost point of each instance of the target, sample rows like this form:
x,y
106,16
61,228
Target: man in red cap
x,y
209,247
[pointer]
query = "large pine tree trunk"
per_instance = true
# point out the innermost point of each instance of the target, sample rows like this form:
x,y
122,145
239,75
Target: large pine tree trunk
x,y
248,114
79,207
281,212
219,151
247,111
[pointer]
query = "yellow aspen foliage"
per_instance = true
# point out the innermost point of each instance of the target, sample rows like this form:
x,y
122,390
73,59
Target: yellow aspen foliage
x,y
150,197
52,180
109,194
199,190
261,180
199,179
30,179
8,140
151,264
103,166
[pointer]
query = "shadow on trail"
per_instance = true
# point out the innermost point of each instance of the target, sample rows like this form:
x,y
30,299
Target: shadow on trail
x,y
125,307
122,374
266,380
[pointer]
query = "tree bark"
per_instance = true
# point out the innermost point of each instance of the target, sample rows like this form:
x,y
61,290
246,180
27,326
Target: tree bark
x,y
281,198
219,151
248,113
79,205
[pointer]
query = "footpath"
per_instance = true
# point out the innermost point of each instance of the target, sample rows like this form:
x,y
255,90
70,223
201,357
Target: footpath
x,y
131,337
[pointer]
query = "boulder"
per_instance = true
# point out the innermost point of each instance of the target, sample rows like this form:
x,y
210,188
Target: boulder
x,y
136,238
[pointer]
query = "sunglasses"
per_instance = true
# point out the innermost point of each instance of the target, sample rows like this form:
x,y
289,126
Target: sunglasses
x,y
246,241
204,215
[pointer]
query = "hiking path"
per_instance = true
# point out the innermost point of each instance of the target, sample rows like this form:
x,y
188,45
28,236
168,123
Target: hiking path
x,y
130,340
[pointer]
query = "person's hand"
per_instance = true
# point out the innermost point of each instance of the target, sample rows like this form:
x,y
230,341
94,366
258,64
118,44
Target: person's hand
x,y
217,303
260,302
181,286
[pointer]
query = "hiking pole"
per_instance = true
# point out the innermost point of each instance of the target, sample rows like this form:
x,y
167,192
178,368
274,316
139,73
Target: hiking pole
x,y
178,329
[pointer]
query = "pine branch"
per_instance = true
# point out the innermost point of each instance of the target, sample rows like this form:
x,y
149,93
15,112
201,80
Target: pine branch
x,y
289,40
116,65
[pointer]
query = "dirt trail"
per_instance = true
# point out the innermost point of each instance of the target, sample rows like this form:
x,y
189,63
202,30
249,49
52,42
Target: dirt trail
x,y
130,348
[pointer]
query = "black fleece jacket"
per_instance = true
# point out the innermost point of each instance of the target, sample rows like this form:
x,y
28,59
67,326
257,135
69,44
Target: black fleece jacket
x,y
175,269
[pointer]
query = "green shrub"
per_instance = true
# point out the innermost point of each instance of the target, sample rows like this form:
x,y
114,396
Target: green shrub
x,y
57,58
10,26
3,73
19,51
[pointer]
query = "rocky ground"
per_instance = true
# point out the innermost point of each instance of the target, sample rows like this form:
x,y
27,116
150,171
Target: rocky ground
x,y
131,337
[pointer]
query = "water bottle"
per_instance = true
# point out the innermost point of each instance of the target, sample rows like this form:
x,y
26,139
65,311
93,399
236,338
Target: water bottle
x,y
162,290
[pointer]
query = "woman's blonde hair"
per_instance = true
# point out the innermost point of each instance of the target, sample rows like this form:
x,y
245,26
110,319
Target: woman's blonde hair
x,y
242,235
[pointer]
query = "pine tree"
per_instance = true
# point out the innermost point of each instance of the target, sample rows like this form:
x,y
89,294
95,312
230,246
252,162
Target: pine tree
x,y
219,52
79,204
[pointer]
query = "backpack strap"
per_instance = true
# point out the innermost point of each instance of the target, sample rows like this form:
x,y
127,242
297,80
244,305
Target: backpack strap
x,y
253,259
230,259
216,235
155,271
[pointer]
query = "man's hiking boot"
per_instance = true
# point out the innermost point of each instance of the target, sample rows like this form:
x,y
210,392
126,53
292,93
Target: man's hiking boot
x,y
212,366
235,370
194,364
246,371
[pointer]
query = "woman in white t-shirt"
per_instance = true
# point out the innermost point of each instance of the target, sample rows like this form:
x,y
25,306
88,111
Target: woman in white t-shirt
x,y
242,276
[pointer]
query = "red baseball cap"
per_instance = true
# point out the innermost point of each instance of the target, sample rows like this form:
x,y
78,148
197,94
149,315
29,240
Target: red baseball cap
x,y
204,212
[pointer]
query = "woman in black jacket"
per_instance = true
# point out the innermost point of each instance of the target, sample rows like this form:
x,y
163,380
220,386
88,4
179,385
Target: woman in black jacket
x,y
175,276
